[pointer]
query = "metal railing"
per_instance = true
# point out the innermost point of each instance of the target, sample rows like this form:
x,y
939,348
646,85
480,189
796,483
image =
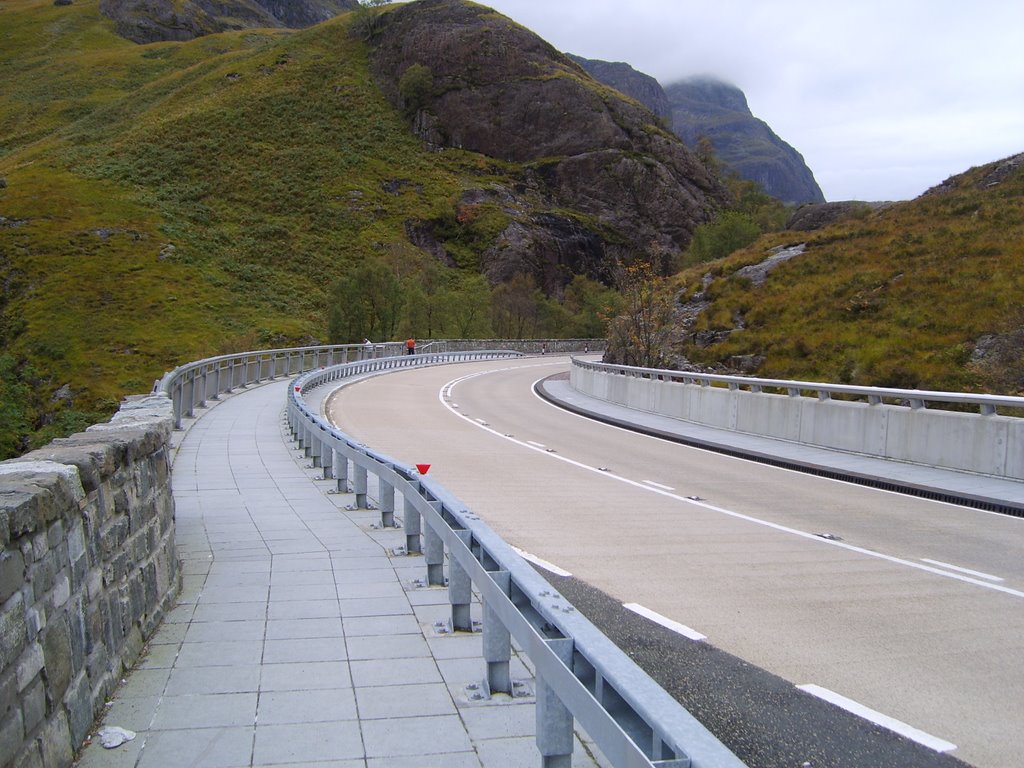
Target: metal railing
x,y
189,386
914,398
580,673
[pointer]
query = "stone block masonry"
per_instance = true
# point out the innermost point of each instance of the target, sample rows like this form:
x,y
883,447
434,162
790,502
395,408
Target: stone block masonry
x,y
87,570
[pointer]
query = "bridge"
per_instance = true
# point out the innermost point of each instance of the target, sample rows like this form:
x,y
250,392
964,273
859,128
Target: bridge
x,y
309,630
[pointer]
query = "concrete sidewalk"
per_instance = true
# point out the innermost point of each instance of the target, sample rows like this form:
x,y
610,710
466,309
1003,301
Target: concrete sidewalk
x,y
298,640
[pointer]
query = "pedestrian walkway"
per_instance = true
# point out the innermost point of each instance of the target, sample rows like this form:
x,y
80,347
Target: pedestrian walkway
x,y
298,638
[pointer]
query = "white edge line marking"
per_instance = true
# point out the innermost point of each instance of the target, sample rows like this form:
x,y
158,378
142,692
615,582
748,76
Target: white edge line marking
x,y
897,726
447,388
659,485
542,563
968,571
535,445
657,618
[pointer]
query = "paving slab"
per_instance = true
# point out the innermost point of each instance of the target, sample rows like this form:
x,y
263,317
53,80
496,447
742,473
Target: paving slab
x,y
298,639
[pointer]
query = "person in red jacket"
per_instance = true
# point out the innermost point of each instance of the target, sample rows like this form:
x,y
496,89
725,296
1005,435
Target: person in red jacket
x,y
410,347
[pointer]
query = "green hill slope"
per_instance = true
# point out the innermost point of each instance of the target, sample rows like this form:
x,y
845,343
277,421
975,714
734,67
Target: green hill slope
x,y
923,294
168,201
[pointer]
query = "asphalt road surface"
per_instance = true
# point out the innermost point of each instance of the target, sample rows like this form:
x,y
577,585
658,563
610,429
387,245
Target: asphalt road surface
x,y
910,608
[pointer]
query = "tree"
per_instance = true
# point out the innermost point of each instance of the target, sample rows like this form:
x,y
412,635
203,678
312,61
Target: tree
x,y
516,307
639,336
469,306
731,231
590,305
366,303
415,86
366,19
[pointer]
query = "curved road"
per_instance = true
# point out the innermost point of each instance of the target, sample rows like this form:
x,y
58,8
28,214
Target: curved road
x,y
912,608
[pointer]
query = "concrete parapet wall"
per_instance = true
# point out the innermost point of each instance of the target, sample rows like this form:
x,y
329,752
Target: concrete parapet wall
x,y
87,570
988,444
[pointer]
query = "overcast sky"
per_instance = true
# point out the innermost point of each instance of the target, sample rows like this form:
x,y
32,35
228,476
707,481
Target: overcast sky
x,y
883,98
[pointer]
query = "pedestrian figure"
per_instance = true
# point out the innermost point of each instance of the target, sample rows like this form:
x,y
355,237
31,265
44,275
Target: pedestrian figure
x,y
543,349
410,347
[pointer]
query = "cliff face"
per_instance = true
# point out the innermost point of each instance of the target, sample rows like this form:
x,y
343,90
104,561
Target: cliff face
x,y
148,21
623,78
707,107
490,86
745,144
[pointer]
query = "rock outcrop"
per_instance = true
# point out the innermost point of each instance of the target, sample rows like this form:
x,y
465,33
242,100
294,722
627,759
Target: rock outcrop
x,y
149,21
635,84
705,106
811,217
498,89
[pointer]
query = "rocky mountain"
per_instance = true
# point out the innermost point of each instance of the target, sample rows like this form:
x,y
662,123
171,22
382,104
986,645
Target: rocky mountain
x,y
490,86
148,21
704,106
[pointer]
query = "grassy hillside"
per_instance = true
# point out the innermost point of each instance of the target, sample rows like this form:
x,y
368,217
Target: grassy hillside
x,y
168,201
918,294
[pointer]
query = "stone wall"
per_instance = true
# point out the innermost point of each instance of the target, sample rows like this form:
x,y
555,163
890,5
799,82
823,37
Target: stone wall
x,y
87,571
526,346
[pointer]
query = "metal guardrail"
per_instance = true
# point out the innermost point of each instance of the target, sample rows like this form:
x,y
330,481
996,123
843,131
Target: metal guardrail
x,y
913,398
189,386
580,673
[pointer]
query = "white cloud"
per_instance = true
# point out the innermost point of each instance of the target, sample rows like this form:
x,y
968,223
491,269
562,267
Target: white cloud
x,y
883,98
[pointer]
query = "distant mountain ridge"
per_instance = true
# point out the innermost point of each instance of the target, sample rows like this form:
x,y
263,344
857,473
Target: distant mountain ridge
x,y
710,107
705,106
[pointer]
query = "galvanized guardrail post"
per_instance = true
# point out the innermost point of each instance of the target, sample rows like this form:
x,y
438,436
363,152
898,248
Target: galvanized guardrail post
x,y
554,720
341,471
497,640
359,486
412,524
460,590
433,552
386,494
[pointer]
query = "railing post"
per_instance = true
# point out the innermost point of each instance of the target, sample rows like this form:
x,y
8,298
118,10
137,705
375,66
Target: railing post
x,y
190,400
433,552
386,491
460,589
412,526
554,721
498,641
327,460
202,392
176,396
359,486
317,448
341,471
